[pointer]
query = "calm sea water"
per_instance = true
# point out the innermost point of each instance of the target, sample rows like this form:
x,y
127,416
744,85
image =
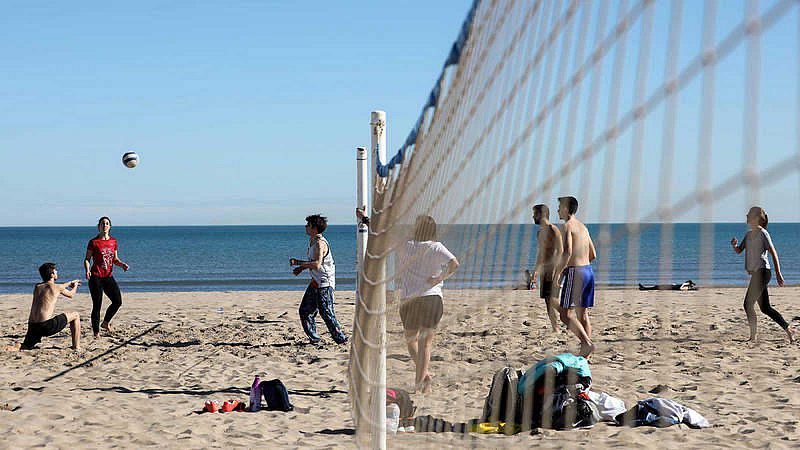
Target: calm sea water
x,y
214,258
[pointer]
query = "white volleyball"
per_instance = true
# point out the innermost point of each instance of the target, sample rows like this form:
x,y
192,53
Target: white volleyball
x,y
130,159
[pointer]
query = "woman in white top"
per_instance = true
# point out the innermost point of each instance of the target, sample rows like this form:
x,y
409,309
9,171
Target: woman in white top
x,y
423,265
756,244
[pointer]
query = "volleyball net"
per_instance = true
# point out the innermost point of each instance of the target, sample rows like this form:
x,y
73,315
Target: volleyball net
x,y
649,112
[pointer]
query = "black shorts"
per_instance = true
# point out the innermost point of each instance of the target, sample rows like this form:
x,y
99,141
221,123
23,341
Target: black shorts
x,y
421,312
38,330
545,286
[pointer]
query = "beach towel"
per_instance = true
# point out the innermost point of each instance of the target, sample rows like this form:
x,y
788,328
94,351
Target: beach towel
x,y
564,365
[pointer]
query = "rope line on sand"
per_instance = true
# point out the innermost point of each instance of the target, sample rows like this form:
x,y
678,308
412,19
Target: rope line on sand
x,y
95,358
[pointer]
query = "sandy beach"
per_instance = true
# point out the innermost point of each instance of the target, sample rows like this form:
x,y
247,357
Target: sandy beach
x,y
171,351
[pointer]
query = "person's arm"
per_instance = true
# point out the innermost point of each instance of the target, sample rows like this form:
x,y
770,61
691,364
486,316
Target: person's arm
x,y
592,252
559,249
118,262
69,289
540,241
566,254
737,246
87,263
776,262
362,217
448,271
317,254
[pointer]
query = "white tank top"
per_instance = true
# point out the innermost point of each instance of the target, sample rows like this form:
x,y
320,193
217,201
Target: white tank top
x,y
325,276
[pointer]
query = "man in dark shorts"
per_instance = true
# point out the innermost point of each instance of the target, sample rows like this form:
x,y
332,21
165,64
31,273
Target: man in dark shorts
x,y
548,253
41,321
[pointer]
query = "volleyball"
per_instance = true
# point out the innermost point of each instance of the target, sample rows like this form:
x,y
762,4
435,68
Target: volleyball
x,y
130,159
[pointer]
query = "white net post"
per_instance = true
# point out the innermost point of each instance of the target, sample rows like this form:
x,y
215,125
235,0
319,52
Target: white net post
x,y
378,429
362,186
368,351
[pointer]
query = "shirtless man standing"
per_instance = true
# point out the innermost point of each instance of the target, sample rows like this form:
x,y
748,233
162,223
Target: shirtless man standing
x,y
577,292
41,321
548,255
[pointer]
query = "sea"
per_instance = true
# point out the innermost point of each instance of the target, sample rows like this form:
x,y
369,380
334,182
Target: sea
x,y
256,258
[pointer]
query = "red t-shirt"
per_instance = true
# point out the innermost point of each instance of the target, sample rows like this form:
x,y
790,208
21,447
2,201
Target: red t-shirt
x,y
103,252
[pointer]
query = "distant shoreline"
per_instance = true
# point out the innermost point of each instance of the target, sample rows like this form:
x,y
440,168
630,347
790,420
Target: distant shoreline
x,y
300,226
350,290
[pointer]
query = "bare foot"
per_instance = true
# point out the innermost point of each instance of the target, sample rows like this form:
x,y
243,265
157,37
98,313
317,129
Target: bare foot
x,y
753,339
11,348
790,332
97,335
587,350
425,386
105,326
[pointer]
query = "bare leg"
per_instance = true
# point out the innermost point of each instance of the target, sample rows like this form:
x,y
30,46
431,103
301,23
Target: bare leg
x,y
425,344
413,350
574,325
552,312
583,317
75,329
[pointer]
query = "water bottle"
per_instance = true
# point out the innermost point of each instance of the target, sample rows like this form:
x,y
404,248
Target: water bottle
x,y
255,395
392,418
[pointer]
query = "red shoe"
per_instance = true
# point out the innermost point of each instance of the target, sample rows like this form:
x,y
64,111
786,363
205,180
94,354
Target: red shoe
x,y
229,406
211,406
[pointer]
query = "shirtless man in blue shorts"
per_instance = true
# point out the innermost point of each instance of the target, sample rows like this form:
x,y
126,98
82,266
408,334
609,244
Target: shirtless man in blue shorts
x,y
577,276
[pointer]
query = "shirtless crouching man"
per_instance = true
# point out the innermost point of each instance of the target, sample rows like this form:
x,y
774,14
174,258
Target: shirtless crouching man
x,y
577,291
548,255
41,321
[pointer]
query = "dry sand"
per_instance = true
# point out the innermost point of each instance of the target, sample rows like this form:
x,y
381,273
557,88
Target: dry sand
x,y
172,351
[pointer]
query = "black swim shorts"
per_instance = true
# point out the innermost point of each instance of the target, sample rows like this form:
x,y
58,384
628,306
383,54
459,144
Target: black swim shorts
x,y
546,286
421,312
38,330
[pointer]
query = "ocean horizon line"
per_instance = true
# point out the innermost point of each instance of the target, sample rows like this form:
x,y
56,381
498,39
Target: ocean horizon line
x,y
10,227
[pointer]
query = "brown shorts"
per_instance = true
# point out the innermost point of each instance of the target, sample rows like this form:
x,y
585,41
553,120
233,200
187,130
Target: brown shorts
x,y
421,312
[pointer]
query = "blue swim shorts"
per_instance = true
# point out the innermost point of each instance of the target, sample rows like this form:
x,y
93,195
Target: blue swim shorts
x,y
578,287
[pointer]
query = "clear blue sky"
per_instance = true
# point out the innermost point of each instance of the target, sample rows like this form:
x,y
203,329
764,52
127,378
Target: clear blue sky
x,y
250,112
242,112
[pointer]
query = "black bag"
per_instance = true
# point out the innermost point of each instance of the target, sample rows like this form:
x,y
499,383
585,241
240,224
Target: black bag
x,y
568,410
403,400
276,395
503,402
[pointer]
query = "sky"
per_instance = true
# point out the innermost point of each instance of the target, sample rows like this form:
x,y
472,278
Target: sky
x,y
241,112
250,112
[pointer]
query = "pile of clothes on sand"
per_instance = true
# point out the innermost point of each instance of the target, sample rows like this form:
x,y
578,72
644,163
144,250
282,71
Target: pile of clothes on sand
x,y
556,393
